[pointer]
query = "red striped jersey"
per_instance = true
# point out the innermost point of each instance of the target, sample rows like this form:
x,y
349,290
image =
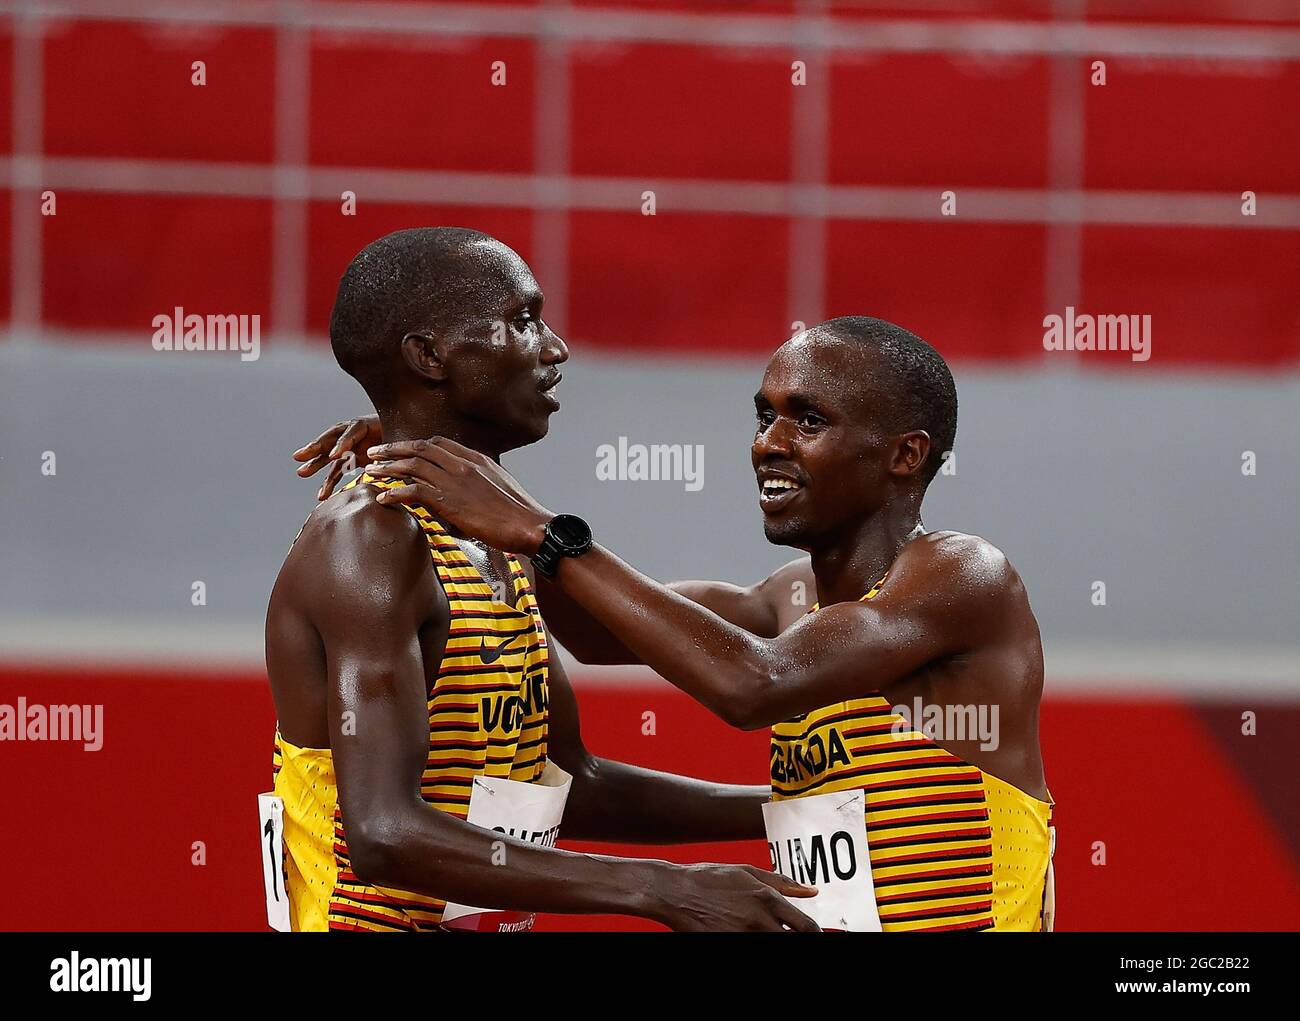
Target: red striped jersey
x,y
487,717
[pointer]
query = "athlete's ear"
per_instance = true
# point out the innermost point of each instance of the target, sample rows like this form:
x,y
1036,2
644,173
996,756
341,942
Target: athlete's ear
x,y
910,452
425,353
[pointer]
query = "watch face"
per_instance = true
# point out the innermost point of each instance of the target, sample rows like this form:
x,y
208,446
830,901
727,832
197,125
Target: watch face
x,y
570,532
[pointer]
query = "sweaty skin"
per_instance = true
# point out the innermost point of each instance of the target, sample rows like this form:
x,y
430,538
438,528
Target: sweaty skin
x,y
357,624
952,624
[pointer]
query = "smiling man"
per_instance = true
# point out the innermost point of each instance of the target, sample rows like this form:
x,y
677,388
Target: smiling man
x,y
853,417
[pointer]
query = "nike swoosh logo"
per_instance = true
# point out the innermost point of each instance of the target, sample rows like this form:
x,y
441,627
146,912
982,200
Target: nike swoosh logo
x,y
493,654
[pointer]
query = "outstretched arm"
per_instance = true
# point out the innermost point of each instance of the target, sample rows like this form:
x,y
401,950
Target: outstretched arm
x,y
762,609
747,680
751,682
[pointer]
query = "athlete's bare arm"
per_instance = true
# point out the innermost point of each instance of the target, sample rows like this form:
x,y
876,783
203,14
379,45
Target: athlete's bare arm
x,y
953,626
355,629
765,609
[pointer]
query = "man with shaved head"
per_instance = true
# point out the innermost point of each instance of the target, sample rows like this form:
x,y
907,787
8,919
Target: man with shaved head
x,y
906,774
421,717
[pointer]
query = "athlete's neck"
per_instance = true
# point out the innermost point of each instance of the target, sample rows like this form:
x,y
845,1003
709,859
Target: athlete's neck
x,y
848,566
420,423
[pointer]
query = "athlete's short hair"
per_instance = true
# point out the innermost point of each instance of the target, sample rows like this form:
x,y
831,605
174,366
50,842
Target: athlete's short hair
x,y
416,279
926,396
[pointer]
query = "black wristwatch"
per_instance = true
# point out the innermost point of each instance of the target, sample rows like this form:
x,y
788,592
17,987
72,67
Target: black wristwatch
x,y
566,536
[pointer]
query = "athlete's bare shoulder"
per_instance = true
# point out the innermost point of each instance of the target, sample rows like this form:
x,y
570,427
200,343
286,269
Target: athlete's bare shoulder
x,y
966,570
356,513
351,541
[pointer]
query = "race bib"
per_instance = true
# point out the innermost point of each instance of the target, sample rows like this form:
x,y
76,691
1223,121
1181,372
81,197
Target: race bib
x,y
527,811
821,841
271,809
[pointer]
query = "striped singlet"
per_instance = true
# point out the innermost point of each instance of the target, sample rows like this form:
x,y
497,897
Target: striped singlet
x,y
952,847
487,717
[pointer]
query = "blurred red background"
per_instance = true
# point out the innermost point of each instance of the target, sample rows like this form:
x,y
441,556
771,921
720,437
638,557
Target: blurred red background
x,y
227,197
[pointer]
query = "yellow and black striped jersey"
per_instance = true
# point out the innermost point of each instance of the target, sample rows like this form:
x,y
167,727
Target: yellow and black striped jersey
x,y
487,717
952,847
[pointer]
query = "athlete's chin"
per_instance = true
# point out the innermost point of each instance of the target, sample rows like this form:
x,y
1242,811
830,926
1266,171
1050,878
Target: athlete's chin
x,y
782,531
542,420
535,429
